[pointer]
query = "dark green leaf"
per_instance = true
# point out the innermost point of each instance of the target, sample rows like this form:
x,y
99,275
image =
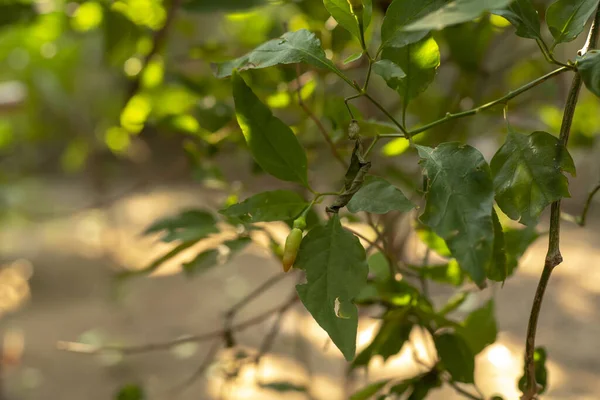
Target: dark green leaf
x,y
130,392
456,356
190,225
284,387
588,66
567,18
402,13
459,204
121,36
479,328
528,176
379,267
277,205
378,196
340,11
353,180
541,373
393,333
369,391
201,263
272,143
523,16
497,269
516,242
454,303
204,6
419,61
336,271
238,244
293,47
12,12
390,72
456,12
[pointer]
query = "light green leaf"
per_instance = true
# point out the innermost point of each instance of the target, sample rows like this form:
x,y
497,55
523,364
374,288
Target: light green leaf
x,y
447,273
497,269
567,18
340,11
433,241
588,66
390,72
272,143
301,46
479,329
276,205
336,271
456,12
353,57
201,262
456,356
203,6
459,204
378,196
419,62
523,16
379,267
393,333
369,391
528,176
189,225
402,13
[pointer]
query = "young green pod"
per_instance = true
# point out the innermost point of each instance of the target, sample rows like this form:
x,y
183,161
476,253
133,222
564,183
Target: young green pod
x,y
300,223
292,244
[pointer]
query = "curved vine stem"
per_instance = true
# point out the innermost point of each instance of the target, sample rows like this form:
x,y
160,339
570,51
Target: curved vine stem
x,y
553,257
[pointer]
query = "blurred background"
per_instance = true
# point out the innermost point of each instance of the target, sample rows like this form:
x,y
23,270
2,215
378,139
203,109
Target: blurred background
x,y
111,117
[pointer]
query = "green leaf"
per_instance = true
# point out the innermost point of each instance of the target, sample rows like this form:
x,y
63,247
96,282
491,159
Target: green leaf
x,y
277,205
454,303
301,46
130,392
419,61
378,196
459,204
379,267
353,57
402,13
336,271
516,242
369,391
272,143
189,225
16,12
541,373
236,245
201,263
340,11
456,356
433,241
528,176
567,18
203,6
353,180
449,273
393,333
284,387
479,328
456,12
523,16
497,268
391,73
588,66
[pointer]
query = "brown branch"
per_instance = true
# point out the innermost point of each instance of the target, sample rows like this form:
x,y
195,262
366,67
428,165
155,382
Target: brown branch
x,y
317,122
82,348
554,257
208,359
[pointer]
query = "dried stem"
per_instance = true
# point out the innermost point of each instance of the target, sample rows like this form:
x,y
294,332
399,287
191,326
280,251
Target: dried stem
x,y
553,257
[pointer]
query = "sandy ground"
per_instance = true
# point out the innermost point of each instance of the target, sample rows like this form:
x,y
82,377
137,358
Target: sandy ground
x,y
65,292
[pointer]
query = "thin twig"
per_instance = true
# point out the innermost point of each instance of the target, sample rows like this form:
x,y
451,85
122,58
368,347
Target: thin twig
x,y
83,348
582,221
206,362
255,293
463,391
269,339
554,257
317,121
